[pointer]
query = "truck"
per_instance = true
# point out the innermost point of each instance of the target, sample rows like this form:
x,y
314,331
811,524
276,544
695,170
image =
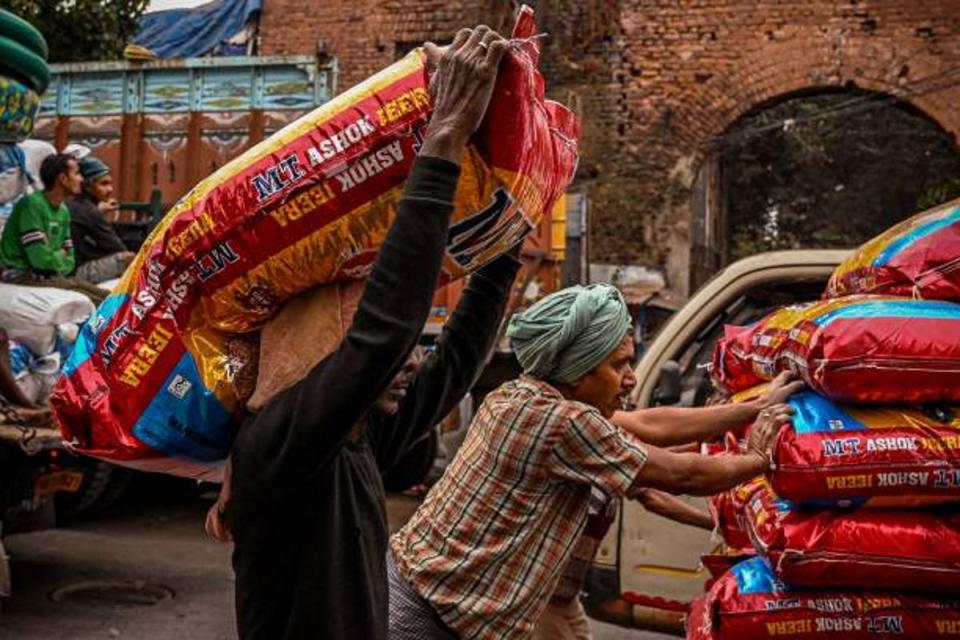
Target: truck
x,y
647,569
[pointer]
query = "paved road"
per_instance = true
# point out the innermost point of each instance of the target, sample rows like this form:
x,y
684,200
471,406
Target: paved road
x,y
156,541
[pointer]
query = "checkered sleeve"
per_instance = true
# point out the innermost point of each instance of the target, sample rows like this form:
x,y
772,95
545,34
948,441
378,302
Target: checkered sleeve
x,y
591,450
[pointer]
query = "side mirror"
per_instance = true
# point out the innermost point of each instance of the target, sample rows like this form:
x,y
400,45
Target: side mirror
x,y
669,387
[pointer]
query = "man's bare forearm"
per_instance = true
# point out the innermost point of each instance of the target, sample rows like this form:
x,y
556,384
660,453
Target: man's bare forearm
x,y
694,474
670,426
673,508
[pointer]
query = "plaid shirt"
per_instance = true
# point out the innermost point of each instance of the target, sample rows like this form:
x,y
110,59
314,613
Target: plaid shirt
x,y
487,546
601,515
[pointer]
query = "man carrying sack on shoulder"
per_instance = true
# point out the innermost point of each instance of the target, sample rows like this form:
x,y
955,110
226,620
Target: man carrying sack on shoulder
x,y
307,509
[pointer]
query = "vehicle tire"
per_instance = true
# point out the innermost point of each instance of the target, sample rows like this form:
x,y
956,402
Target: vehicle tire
x,y
19,63
102,485
413,467
19,30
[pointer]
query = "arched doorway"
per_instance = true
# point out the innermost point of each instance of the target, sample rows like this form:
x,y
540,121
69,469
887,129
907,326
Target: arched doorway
x,y
825,169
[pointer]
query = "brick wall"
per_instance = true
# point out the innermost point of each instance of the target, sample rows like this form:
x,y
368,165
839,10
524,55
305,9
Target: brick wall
x,y
656,80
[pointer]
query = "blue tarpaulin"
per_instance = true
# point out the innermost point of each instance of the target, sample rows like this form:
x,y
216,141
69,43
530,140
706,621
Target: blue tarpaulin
x,y
190,33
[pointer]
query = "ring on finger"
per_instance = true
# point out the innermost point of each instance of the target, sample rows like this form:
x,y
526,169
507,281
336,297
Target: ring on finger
x,y
483,45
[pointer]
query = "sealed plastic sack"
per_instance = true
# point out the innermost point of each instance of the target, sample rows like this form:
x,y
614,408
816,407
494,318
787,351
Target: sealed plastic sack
x,y
868,548
843,455
749,603
864,349
33,315
151,381
728,509
35,375
919,257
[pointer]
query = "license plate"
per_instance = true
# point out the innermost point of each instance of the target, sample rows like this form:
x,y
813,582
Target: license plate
x,y
58,481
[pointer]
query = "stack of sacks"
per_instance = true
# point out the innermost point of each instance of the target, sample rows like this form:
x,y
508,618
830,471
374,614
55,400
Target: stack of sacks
x,y
153,383
879,336
749,602
865,490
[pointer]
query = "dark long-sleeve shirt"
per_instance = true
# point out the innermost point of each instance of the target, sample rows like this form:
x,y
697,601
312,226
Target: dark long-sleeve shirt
x,y
93,237
308,509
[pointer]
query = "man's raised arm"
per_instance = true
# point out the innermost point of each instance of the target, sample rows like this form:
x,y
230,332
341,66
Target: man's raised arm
x,y
303,427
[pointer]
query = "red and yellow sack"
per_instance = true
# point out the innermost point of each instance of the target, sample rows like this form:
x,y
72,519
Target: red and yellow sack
x,y
844,455
728,520
729,509
749,603
868,548
151,382
919,257
863,349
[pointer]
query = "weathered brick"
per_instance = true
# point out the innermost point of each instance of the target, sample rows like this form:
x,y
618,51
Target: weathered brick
x,y
656,80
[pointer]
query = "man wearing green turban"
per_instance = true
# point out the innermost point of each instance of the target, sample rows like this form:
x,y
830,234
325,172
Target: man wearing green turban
x,y
567,335
482,555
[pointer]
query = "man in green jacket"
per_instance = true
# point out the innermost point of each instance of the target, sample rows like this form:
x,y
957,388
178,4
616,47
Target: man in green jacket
x,y
36,249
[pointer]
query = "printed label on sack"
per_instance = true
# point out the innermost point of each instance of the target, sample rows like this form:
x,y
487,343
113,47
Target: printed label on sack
x,y
179,387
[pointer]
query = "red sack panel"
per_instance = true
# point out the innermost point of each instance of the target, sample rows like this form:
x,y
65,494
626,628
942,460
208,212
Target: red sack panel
x,y
729,521
749,602
920,257
844,455
861,349
867,548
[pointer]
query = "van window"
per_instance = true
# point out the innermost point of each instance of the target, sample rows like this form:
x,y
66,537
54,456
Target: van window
x,y
694,360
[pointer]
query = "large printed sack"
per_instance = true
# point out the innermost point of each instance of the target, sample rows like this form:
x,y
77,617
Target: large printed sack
x,y
35,316
869,548
749,603
919,258
728,509
863,349
841,456
152,377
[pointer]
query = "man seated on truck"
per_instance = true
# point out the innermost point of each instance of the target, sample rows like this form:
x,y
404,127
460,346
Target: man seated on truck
x,y
564,617
36,249
482,555
100,253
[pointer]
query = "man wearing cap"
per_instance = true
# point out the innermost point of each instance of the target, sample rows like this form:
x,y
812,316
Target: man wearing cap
x,y
36,249
484,552
100,253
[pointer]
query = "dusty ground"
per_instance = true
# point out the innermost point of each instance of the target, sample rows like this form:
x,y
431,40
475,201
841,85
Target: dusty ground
x,y
147,538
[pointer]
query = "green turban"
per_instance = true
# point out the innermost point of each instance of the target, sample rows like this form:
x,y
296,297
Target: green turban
x,y
567,334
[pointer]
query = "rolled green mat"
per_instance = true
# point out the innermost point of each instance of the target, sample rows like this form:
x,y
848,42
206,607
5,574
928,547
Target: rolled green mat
x,y
19,30
19,63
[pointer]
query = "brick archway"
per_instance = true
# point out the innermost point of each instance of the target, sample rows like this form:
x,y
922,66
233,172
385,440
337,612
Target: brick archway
x,y
795,65
818,149
690,73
